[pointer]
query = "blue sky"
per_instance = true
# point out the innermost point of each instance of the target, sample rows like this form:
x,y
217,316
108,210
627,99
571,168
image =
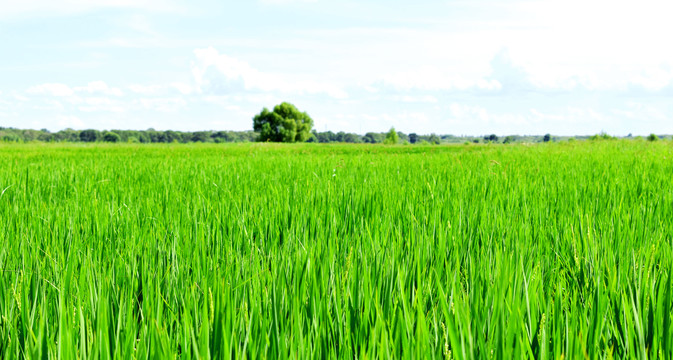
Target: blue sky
x,y
458,67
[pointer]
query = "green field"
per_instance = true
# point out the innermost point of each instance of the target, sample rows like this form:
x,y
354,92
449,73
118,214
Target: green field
x,y
336,251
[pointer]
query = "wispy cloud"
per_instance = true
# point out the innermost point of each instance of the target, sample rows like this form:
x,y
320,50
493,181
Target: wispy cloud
x,y
46,8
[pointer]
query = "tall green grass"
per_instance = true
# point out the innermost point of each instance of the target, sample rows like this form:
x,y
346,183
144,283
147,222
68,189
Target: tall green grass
x,y
317,251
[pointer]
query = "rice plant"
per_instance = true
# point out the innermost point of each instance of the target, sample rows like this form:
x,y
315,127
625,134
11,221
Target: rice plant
x,y
336,251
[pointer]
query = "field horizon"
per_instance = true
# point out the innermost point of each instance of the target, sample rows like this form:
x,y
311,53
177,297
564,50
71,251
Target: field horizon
x,y
14,135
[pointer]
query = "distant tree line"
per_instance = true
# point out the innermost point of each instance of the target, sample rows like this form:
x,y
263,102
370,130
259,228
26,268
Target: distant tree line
x,y
170,136
130,136
373,138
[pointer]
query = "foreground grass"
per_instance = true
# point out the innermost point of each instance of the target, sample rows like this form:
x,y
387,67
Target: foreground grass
x,y
310,251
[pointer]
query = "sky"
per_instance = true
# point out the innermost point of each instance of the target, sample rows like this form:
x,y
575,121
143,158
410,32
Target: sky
x,y
462,67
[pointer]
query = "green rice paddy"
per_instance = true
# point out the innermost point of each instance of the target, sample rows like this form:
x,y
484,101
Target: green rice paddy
x,y
336,251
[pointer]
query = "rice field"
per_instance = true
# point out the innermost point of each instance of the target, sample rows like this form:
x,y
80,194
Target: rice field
x,y
336,251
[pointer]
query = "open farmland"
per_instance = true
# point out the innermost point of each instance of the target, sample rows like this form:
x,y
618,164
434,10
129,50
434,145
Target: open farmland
x,y
310,251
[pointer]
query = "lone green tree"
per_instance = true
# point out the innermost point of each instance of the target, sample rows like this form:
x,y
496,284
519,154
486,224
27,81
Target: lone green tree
x,y
391,137
284,124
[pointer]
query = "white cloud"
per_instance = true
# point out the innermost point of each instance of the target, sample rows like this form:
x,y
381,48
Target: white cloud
x,y
415,98
99,87
286,2
643,113
70,96
219,73
139,23
460,112
406,121
145,89
556,44
223,101
229,68
69,121
183,88
104,104
53,89
179,87
162,104
654,78
569,117
596,45
434,78
50,104
569,120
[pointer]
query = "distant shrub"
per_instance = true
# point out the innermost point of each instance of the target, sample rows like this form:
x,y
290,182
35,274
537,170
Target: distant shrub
x,y
602,136
89,135
11,138
111,136
652,137
491,138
